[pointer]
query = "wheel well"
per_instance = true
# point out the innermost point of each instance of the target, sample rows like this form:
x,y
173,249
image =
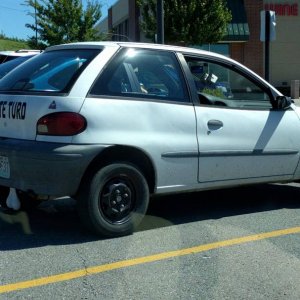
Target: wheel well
x,y
127,154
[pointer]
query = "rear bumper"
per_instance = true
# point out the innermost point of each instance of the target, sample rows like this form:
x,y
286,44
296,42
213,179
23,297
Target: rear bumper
x,y
45,168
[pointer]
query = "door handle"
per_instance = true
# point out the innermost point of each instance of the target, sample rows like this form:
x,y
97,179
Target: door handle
x,y
214,124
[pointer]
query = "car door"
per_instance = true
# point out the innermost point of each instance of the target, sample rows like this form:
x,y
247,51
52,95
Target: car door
x,y
141,102
241,137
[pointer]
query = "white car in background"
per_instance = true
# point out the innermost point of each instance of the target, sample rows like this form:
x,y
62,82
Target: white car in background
x,y
111,123
6,67
6,56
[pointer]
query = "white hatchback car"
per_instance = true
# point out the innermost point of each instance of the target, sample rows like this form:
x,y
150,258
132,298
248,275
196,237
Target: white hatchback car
x,y
110,123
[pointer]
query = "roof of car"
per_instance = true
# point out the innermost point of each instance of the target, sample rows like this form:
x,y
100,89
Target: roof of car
x,y
114,44
101,44
21,52
189,50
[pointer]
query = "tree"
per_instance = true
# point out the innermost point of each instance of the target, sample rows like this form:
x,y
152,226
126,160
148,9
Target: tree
x,y
63,21
187,22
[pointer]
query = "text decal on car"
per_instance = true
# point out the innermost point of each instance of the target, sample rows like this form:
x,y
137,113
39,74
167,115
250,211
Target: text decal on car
x,y
12,110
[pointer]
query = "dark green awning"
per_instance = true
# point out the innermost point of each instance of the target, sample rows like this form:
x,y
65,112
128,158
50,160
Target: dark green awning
x,y
237,29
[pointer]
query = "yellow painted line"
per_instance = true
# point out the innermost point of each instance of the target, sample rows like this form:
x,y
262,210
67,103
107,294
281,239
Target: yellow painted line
x,y
142,260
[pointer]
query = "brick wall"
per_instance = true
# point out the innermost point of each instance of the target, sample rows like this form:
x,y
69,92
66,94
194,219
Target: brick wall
x,y
251,52
237,52
134,32
109,19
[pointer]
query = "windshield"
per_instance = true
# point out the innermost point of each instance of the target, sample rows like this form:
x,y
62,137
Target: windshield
x,y
53,71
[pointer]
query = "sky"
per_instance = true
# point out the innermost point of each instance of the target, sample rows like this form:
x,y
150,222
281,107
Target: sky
x,y
14,16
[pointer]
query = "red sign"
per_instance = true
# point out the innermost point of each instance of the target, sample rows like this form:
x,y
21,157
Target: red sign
x,y
283,9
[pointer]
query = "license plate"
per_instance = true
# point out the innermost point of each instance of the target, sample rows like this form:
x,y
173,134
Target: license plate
x,y
4,167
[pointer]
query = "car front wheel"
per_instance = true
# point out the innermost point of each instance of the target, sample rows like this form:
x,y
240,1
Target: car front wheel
x,y
114,200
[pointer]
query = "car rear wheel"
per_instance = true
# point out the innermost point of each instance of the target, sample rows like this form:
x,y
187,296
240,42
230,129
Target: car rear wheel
x,y
114,200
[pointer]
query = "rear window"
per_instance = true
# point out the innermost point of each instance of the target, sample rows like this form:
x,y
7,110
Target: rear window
x,y
49,72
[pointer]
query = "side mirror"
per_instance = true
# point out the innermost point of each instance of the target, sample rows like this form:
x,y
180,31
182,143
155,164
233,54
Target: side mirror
x,y
282,102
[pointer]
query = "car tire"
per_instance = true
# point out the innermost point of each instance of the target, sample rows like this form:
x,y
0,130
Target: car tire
x,y
4,192
114,200
28,201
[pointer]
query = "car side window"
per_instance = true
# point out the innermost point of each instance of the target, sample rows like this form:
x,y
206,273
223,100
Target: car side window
x,y
220,85
144,74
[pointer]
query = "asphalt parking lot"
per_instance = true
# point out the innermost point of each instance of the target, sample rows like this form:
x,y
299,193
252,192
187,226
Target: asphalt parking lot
x,y
228,244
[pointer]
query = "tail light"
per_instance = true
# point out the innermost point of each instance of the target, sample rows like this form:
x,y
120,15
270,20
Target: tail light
x,y
61,123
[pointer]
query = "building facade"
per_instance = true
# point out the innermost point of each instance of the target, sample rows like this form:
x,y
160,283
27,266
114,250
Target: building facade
x,y
242,40
285,49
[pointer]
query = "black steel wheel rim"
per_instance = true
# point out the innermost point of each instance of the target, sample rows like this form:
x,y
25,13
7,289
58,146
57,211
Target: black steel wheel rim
x,y
117,200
